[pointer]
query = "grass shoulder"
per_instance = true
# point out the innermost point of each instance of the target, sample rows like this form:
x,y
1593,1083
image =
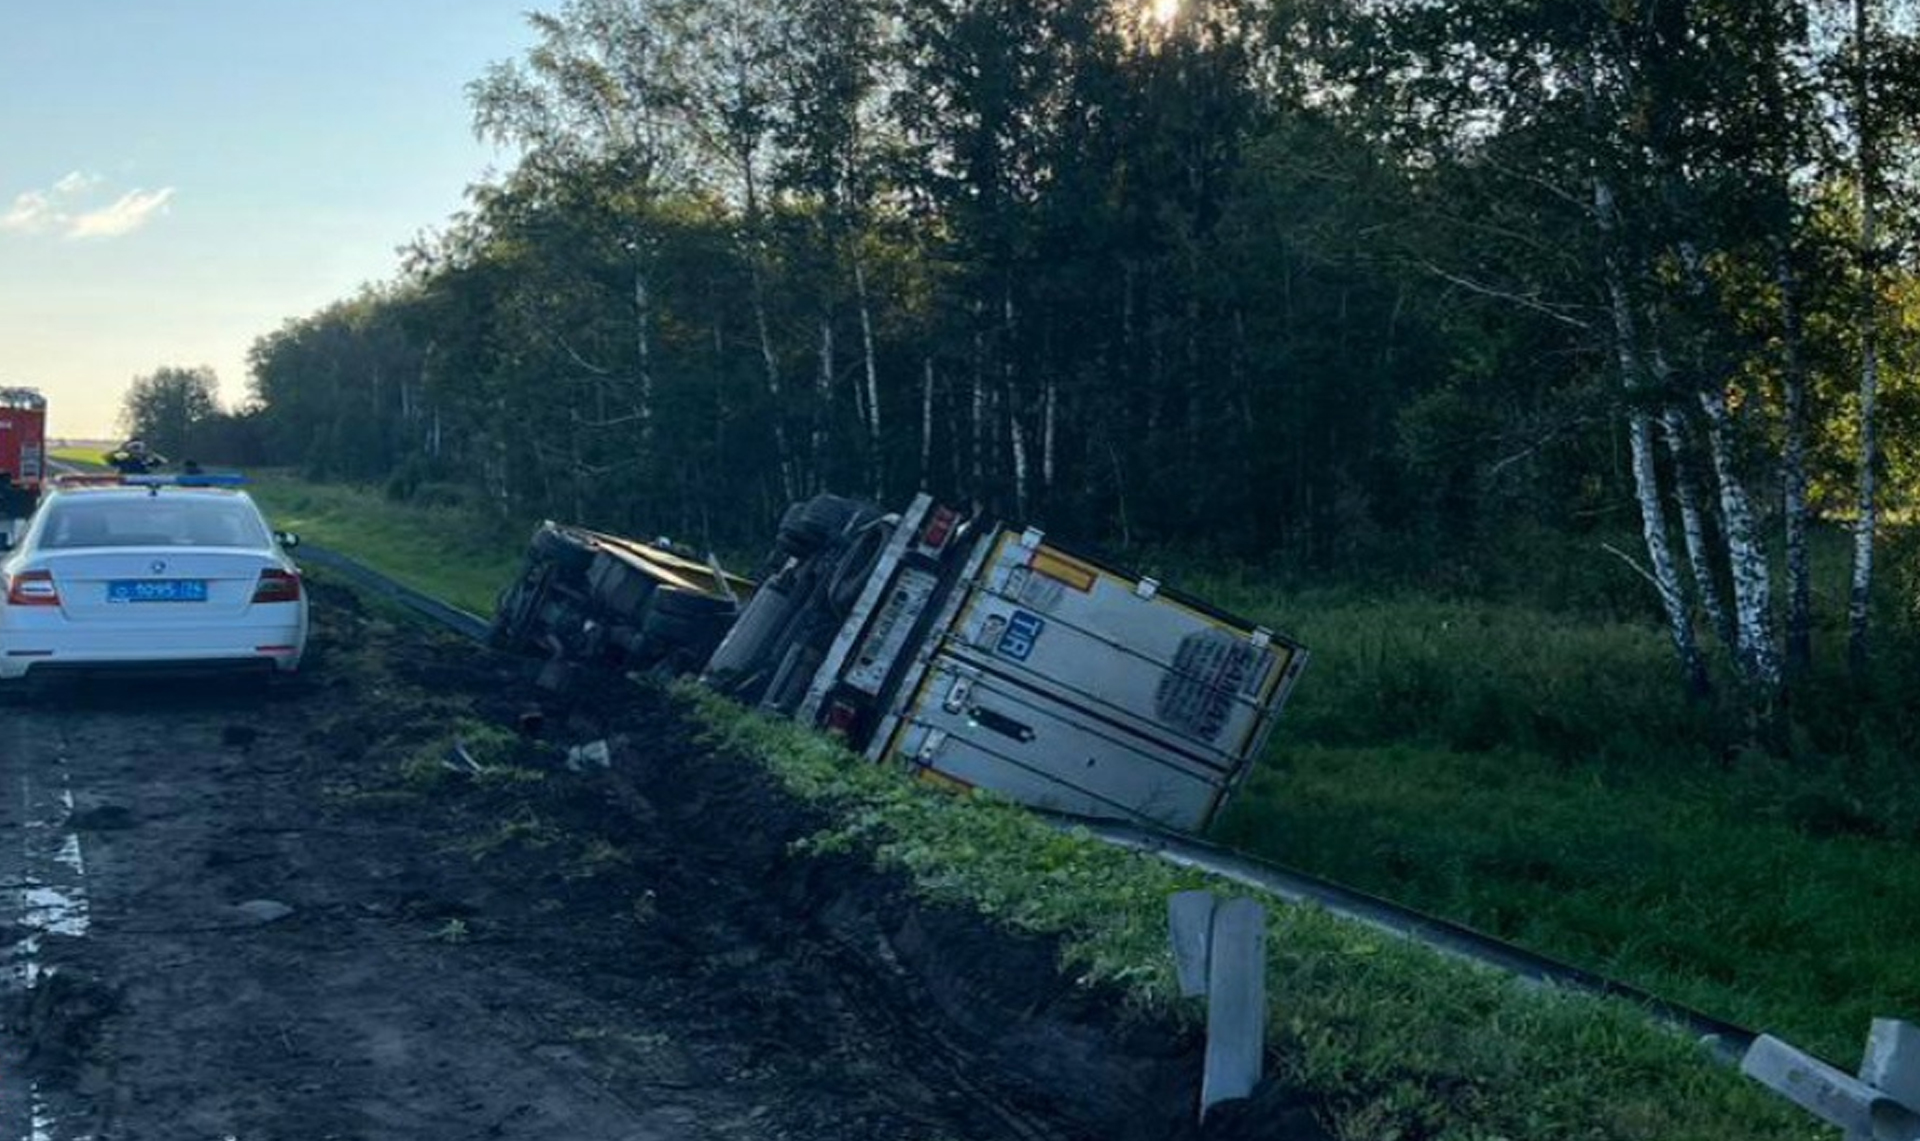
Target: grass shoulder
x,y
1395,1040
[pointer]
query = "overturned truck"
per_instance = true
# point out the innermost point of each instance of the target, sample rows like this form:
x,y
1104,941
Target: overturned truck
x,y
976,654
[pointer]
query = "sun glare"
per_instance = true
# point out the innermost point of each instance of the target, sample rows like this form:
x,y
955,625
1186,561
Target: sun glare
x,y
1165,12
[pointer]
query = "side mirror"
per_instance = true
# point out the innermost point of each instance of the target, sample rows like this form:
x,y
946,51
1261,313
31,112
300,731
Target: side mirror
x,y
287,539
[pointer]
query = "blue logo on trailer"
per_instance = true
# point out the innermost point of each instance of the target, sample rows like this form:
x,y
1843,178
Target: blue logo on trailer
x,y
1023,630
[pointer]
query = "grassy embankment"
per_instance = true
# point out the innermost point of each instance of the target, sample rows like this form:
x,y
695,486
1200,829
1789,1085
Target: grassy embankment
x,y
449,552
1525,771
1540,777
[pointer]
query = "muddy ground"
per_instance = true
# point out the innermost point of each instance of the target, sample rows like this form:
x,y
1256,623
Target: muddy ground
x,y
225,914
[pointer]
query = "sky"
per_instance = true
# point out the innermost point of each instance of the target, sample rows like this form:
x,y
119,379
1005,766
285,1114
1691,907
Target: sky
x,y
179,177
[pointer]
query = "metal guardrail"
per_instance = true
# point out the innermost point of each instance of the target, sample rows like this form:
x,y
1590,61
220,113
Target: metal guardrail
x,y
462,622
1724,1041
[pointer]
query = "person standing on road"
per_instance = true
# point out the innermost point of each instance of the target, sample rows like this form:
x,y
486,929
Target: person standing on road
x,y
16,503
134,458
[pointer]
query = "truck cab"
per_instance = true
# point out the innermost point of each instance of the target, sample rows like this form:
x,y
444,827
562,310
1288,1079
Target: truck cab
x,y
23,455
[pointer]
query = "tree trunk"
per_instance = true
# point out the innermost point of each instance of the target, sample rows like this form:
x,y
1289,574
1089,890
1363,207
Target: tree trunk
x,y
822,404
1693,524
876,472
926,425
783,451
1009,385
1794,473
1867,505
1646,479
1759,658
643,355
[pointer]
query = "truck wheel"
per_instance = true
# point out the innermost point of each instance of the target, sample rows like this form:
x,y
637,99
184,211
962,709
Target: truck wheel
x,y
856,566
565,549
817,522
517,604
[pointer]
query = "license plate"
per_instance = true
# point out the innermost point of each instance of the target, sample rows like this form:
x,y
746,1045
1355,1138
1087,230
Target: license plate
x,y
158,590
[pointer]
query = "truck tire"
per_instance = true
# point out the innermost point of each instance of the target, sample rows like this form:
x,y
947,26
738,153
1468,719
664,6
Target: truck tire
x,y
814,524
517,604
565,549
855,567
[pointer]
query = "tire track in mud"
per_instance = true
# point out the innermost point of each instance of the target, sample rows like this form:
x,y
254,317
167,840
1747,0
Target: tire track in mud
x,y
302,928
44,882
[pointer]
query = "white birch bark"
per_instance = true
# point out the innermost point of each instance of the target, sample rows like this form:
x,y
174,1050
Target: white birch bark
x,y
1693,524
1646,479
643,354
1048,435
1016,426
1794,474
1759,657
822,401
977,422
876,475
926,424
1021,484
1867,502
789,483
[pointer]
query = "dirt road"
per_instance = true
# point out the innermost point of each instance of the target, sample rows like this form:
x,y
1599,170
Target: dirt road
x,y
226,915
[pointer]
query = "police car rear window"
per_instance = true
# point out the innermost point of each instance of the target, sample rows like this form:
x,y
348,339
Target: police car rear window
x,y
153,521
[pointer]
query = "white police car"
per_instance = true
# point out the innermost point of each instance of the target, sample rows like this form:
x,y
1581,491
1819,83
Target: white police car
x,y
149,572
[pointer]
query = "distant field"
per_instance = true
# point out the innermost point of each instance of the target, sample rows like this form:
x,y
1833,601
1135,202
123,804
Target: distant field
x,y
82,452
452,552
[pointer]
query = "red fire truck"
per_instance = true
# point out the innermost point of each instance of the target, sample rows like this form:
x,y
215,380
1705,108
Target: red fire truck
x,y
23,452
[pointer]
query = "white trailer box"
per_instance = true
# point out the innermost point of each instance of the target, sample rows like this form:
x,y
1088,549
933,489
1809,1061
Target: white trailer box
x,y
991,658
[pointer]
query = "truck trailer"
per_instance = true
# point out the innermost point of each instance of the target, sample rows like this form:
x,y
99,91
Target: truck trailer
x,y
975,654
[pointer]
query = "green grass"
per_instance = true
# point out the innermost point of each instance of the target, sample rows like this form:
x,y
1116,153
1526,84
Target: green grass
x,y
1396,1041
1529,769
453,552
91,456
1542,778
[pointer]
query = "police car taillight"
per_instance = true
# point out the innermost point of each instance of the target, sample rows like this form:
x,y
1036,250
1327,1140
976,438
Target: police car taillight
x,y
277,586
32,588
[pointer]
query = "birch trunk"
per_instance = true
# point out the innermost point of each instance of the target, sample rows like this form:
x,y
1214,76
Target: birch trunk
x,y
1867,504
1693,524
926,424
643,353
783,451
1794,474
1759,657
822,402
977,421
1646,478
763,327
1048,429
1016,426
876,473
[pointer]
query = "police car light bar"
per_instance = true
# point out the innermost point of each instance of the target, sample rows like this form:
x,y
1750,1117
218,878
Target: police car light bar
x,y
197,479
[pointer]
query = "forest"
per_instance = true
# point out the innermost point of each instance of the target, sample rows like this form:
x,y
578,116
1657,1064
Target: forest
x,y
1374,289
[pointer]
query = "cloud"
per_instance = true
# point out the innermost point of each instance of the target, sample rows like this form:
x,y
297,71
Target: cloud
x,y
134,209
76,183
31,213
65,209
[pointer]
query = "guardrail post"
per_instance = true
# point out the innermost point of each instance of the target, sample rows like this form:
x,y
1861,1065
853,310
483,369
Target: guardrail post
x,y
1221,950
1891,1064
1875,1106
